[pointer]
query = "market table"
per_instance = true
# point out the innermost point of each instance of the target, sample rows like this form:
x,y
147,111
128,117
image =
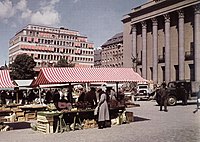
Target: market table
x,y
48,121
30,111
4,113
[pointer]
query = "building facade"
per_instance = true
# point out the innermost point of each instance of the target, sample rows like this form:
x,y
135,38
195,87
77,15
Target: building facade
x,y
112,52
163,36
47,45
97,58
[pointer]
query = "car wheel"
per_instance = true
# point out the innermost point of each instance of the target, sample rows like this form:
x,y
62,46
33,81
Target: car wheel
x,y
171,100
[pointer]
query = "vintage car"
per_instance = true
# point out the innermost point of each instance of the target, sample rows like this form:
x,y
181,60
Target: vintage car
x,y
178,91
142,92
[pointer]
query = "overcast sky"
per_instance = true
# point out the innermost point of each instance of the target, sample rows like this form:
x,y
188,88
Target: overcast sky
x,y
99,20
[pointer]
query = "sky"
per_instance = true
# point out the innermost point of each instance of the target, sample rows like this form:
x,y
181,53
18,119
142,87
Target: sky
x,y
99,20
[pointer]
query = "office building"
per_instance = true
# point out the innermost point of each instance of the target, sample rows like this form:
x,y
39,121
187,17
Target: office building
x,y
112,52
47,45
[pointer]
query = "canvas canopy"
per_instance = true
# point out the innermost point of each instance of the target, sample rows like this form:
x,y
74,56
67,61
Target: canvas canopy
x,y
23,84
5,81
66,75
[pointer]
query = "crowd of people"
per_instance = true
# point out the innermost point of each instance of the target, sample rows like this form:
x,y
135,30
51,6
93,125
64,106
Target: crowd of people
x,y
65,99
18,96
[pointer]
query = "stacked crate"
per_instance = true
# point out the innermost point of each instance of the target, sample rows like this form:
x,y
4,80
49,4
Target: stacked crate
x,y
129,116
19,114
30,116
45,123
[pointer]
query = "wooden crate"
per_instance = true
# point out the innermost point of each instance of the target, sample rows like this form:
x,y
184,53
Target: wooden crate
x,y
3,119
30,116
19,113
21,119
129,116
45,124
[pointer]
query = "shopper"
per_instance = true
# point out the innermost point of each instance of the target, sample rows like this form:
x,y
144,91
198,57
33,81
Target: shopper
x,y
163,97
198,98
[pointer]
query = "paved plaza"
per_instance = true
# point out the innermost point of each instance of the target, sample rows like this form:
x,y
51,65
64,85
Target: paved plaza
x,y
179,124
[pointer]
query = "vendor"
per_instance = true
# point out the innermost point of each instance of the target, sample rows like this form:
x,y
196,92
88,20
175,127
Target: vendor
x,y
63,102
81,94
90,97
103,116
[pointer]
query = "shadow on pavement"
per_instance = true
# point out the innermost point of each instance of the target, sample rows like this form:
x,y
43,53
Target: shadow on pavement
x,y
189,103
19,125
137,118
181,104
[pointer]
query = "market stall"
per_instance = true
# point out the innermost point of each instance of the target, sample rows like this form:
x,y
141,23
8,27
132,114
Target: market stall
x,y
85,75
70,75
5,84
5,81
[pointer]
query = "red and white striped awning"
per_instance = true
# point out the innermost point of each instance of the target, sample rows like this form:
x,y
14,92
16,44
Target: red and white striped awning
x,y
5,81
63,75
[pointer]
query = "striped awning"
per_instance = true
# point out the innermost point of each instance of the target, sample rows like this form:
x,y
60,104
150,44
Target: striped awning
x,y
65,75
5,81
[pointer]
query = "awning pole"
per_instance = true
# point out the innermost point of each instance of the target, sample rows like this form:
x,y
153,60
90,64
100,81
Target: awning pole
x,y
87,86
117,83
69,95
40,98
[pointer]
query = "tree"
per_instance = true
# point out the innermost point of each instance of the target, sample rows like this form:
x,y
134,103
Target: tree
x,y
64,63
22,67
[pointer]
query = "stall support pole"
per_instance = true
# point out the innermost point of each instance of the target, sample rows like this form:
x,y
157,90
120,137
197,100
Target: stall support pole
x,y
117,89
87,86
40,97
70,98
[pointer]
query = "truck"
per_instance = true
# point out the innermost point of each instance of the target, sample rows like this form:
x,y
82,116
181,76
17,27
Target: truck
x,y
180,91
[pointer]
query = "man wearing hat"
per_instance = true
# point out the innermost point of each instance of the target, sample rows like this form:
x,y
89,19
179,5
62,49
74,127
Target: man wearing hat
x,y
163,96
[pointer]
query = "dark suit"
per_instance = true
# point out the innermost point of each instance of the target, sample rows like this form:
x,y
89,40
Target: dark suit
x,y
163,98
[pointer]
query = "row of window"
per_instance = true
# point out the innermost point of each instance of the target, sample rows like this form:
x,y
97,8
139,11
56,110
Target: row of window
x,y
58,57
113,46
62,30
50,35
73,51
113,65
112,59
53,42
113,52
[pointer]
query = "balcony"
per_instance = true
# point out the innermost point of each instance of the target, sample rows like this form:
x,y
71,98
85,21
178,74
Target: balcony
x,y
161,59
189,55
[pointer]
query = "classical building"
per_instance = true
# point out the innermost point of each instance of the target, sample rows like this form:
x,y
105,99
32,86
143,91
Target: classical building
x,y
112,52
47,45
163,36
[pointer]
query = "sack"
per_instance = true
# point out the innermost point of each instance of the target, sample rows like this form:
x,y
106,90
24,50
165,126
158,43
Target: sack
x,y
96,110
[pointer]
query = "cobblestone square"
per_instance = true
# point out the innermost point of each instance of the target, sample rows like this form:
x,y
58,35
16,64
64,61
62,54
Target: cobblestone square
x,y
179,124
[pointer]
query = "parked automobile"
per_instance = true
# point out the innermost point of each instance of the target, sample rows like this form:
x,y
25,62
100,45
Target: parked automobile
x,y
142,92
178,91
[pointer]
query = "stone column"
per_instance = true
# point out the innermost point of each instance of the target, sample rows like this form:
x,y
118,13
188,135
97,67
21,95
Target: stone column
x,y
181,49
134,46
197,41
167,47
144,49
155,50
